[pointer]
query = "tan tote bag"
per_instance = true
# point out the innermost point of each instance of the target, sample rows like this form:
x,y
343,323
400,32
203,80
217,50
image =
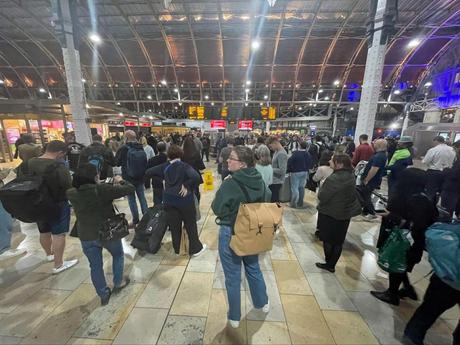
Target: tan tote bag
x,y
255,226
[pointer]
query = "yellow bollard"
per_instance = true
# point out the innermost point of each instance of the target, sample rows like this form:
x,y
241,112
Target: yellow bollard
x,y
208,180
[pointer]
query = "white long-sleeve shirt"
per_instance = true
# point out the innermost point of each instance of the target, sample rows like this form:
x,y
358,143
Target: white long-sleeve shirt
x,y
439,157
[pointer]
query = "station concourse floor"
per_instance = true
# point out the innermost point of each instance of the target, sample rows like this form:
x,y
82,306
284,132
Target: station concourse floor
x,y
177,300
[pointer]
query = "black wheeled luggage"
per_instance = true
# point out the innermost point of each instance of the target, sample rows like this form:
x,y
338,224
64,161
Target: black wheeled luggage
x,y
151,229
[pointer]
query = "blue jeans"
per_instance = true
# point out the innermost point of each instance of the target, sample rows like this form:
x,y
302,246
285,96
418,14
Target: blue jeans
x,y
93,251
298,182
231,263
140,189
6,228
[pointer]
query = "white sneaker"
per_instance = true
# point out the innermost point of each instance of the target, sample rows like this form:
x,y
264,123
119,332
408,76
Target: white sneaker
x,y
50,258
65,265
266,307
234,324
11,253
201,251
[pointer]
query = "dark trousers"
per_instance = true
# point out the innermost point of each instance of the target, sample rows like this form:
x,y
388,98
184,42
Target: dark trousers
x,y
275,189
157,196
395,281
366,194
450,200
332,253
205,152
439,297
434,183
187,215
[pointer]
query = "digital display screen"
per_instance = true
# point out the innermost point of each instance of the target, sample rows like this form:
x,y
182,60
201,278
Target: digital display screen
x,y
245,125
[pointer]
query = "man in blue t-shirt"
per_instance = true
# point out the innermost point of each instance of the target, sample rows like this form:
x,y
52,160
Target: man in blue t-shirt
x,y
372,177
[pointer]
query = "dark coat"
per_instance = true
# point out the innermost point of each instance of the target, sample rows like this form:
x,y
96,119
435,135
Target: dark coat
x,y
153,162
93,206
337,197
175,175
452,177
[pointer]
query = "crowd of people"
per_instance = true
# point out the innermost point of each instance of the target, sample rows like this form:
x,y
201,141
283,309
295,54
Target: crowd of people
x,y
265,168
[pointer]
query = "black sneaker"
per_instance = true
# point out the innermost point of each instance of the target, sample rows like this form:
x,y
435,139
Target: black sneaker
x,y
105,300
120,287
386,296
408,292
325,267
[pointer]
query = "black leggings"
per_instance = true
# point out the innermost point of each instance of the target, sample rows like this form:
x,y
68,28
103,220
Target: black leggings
x,y
396,279
332,253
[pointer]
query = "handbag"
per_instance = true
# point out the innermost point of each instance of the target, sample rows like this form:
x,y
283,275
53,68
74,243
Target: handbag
x,y
255,226
114,228
393,254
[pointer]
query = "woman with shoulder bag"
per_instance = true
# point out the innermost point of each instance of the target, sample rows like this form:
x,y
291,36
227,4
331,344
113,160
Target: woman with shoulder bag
x,y
409,208
338,203
225,206
92,202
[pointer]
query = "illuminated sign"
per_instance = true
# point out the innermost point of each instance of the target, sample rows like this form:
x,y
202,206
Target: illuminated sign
x,y
224,112
200,113
218,124
192,112
130,124
196,112
272,113
145,124
264,113
245,125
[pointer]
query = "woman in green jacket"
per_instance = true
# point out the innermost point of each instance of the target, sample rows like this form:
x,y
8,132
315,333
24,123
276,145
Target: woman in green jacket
x,y
338,203
92,202
225,206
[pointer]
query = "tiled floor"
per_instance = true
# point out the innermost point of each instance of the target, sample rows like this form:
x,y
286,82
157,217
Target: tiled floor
x,y
174,300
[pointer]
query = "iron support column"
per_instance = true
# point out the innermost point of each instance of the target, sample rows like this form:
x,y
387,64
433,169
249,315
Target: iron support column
x,y
74,76
372,76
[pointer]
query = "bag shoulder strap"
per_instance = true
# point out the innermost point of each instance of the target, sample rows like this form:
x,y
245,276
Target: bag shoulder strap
x,y
243,189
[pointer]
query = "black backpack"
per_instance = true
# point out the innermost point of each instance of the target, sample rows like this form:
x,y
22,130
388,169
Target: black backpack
x,y
29,199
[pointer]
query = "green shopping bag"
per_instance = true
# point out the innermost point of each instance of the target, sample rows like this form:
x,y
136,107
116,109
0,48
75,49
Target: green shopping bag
x,y
393,254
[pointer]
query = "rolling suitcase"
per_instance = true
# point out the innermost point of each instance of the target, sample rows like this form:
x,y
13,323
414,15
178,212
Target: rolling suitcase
x,y
151,229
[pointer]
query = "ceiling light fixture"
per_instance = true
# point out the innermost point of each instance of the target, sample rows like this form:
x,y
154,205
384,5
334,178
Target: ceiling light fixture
x,y
246,90
149,97
212,103
164,82
176,90
266,97
326,98
300,108
428,84
246,104
351,109
337,82
320,91
397,92
95,38
83,80
175,108
261,104
118,103
248,82
206,97
271,2
255,45
120,114
413,43
41,90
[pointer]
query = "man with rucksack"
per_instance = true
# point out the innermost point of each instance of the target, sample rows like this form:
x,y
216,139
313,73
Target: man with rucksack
x,y
56,177
133,161
98,155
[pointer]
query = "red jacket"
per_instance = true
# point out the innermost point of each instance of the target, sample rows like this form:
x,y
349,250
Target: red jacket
x,y
362,153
